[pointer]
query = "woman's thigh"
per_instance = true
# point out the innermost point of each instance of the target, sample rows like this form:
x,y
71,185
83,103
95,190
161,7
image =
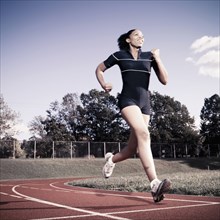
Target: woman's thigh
x,y
135,119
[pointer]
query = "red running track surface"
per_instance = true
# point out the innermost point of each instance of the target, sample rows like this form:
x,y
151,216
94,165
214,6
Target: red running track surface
x,y
53,199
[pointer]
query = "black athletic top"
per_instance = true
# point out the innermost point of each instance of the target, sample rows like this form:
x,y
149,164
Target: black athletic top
x,y
135,76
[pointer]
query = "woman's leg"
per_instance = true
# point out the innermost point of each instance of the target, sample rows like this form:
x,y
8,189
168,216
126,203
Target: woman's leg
x,y
124,154
139,127
140,137
127,151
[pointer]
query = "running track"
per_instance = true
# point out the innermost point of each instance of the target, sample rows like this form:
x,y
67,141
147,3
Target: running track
x,y
53,199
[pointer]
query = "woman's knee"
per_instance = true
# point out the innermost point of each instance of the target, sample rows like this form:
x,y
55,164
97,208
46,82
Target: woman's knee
x,y
143,133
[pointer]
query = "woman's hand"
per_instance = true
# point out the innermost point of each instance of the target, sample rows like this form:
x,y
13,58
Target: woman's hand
x,y
156,53
107,87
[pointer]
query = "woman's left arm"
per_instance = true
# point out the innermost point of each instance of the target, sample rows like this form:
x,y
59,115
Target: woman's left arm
x,y
159,68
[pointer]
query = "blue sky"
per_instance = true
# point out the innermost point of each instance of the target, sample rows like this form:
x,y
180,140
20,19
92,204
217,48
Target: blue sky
x,y
51,48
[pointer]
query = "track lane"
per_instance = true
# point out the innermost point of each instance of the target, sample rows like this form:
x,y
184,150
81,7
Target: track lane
x,y
53,199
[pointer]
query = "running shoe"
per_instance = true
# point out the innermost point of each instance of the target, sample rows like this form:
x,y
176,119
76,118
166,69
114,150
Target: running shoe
x,y
159,190
109,165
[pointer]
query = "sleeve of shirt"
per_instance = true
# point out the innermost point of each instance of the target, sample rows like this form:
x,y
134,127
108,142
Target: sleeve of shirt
x,y
153,62
111,61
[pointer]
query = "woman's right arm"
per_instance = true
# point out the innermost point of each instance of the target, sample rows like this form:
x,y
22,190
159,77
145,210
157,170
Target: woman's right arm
x,y
159,68
100,77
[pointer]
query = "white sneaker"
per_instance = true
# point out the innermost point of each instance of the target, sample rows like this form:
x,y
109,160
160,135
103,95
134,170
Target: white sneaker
x,y
159,188
109,165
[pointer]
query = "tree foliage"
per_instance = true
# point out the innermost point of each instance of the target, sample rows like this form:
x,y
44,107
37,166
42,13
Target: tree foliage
x,y
10,148
8,119
100,119
36,127
171,121
95,117
210,119
60,122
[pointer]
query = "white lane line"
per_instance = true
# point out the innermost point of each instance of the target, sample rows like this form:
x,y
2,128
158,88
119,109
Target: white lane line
x,y
1,185
59,188
64,217
25,187
160,209
7,194
64,206
201,203
42,189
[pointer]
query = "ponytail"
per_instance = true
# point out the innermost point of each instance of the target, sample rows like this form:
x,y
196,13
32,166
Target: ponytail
x,y
122,43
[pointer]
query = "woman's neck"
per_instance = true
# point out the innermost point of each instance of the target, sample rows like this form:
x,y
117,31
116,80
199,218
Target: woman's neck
x,y
134,51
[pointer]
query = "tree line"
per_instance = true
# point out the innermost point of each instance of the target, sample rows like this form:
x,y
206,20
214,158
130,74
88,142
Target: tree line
x,y
95,117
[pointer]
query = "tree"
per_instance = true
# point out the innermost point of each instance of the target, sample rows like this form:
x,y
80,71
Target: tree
x,y
36,127
96,117
10,148
210,120
99,118
60,121
8,119
170,121
69,113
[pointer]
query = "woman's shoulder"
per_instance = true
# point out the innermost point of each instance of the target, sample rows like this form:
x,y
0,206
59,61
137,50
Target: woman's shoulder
x,y
121,54
126,54
146,54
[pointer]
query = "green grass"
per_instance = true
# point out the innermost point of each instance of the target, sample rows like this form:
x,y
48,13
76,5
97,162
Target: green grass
x,y
189,176
203,182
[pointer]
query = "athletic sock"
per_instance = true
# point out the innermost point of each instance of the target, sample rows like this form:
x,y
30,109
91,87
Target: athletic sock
x,y
154,184
110,160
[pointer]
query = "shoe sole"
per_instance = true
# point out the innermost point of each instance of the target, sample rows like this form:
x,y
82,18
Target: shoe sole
x,y
164,187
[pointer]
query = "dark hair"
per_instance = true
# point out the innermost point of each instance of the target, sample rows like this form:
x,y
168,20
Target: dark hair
x,y
122,44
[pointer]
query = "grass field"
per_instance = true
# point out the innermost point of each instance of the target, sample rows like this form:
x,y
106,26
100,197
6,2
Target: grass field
x,y
206,183
189,176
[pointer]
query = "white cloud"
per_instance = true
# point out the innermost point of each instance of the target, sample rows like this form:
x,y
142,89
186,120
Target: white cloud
x,y
205,43
206,56
209,71
211,57
190,60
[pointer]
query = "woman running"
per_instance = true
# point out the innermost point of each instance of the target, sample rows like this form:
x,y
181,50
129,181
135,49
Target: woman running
x,y
134,103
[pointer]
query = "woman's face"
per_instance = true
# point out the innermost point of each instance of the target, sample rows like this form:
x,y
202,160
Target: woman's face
x,y
136,39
